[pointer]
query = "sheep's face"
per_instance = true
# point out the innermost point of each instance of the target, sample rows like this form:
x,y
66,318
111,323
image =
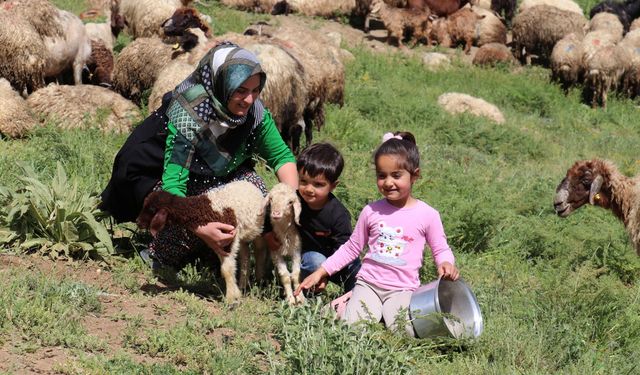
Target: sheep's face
x,y
581,185
284,203
151,216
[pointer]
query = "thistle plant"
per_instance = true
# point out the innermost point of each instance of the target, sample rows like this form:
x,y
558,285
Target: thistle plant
x,y
55,220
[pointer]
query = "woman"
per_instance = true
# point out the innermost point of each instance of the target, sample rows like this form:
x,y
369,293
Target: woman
x,y
203,136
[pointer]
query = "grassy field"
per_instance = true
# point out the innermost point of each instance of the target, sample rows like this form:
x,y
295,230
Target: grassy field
x,y
557,295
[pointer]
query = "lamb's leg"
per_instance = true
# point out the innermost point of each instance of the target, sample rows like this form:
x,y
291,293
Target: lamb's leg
x,y
243,254
295,274
228,270
260,254
285,276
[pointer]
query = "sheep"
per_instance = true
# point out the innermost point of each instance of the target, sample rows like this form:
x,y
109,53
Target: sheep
x,y
566,5
16,119
396,21
79,106
537,29
23,54
635,24
600,183
238,203
99,66
145,17
608,22
168,78
458,27
631,77
107,32
137,66
363,10
492,54
490,28
285,217
319,8
458,103
440,8
566,61
624,12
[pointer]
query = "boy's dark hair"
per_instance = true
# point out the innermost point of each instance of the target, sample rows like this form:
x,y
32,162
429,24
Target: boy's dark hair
x,y
321,158
404,146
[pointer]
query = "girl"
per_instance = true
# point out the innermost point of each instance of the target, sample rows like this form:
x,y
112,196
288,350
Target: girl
x,y
395,230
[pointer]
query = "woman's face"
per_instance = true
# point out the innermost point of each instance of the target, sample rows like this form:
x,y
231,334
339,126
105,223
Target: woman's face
x,y
244,96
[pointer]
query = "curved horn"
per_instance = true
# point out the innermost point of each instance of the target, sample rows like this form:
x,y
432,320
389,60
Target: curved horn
x,y
596,185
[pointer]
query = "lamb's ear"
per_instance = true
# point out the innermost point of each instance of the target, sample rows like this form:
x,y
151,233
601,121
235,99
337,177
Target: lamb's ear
x,y
158,221
297,208
596,185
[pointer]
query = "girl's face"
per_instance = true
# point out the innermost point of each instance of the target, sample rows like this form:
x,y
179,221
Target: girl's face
x,y
242,99
394,182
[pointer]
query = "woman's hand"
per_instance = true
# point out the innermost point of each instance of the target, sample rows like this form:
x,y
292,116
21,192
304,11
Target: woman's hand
x,y
217,236
448,271
311,280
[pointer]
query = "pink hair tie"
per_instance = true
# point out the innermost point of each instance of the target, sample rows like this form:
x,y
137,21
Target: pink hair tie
x,y
388,136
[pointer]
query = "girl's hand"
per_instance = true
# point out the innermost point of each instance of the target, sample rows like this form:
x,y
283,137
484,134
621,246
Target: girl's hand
x,y
448,271
217,236
311,280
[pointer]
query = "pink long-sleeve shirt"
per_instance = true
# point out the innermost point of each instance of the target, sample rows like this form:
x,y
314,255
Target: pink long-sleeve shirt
x,y
396,238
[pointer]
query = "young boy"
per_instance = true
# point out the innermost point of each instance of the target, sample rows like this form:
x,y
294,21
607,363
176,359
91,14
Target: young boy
x,y
325,223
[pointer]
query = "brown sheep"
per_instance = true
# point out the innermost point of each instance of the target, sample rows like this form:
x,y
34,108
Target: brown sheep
x,y
456,28
492,54
397,21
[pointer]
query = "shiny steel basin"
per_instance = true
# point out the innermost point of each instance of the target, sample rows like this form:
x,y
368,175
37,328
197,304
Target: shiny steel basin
x,y
445,308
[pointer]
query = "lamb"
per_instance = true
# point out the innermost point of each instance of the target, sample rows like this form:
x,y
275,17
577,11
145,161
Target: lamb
x,y
493,54
137,66
284,217
396,21
566,61
363,10
458,27
537,29
238,203
599,182
16,119
455,103
82,106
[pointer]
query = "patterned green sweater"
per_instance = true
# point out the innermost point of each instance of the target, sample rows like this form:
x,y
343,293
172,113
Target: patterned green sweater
x,y
268,144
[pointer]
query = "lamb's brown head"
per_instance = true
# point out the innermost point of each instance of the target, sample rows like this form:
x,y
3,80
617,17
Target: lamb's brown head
x,y
586,182
183,19
154,213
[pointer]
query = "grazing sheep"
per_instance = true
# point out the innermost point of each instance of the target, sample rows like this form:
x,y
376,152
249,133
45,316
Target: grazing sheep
x,y
238,203
99,67
631,77
536,30
493,54
566,61
566,5
284,217
397,21
603,72
83,106
455,103
137,66
23,54
16,119
598,182
608,22
457,27
624,12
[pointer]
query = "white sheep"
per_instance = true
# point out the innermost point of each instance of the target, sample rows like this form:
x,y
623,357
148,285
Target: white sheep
x,y
238,203
285,217
598,182
455,103
566,61
566,5
169,77
16,119
631,76
145,17
82,106
608,22
604,63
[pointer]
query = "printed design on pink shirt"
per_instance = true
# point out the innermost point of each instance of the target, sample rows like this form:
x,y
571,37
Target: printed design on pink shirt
x,y
389,245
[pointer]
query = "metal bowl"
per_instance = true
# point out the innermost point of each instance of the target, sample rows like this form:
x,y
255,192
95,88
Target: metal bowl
x,y
445,308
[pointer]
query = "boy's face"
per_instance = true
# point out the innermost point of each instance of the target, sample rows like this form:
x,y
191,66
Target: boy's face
x,y
315,190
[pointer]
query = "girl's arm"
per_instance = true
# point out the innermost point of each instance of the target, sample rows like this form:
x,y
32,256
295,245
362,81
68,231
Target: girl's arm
x,y
440,250
351,249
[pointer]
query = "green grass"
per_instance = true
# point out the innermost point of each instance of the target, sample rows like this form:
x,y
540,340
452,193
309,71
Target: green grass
x,y
557,295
